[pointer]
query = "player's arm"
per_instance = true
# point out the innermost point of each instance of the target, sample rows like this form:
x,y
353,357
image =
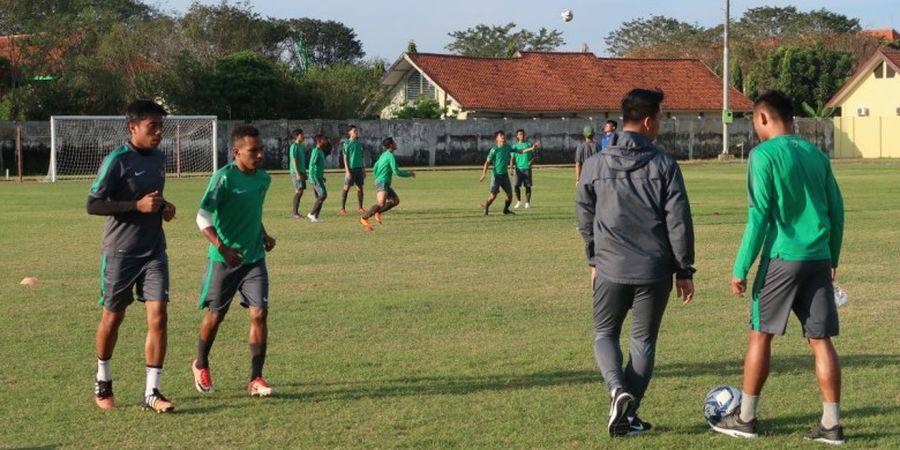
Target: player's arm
x,y
585,210
760,189
836,218
490,157
232,256
681,233
512,159
400,173
346,161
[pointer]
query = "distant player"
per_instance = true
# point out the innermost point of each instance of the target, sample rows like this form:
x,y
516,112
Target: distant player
x,y
354,169
585,150
499,157
129,191
796,221
230,218
317,176
297,163
384,170
609,134
523,162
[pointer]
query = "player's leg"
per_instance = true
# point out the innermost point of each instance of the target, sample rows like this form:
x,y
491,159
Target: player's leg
x,y
518,188
507,188
495,189
117,279
321,194
220,283
528,181
360,183
254,295
348,181
375,210
611,304
392,200
153,286
299,187
107,335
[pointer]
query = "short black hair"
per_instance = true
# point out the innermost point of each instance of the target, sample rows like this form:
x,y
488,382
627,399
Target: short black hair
x,y
387,142
138,110
319,138
498,133
641,103
777,103
296,131
613,123
242,131
520,131
352,127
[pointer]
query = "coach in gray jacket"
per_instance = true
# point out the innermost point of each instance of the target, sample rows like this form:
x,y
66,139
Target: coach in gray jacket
x,y
634,216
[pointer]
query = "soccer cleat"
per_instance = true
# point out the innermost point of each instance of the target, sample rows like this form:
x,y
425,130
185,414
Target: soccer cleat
x,y
103,394
637,426
733,426
296,216
378,218
202,379
365,222
527,205
259,387
518,205
621,403
313,218
508,213
360,210
833,436
342,212
157,402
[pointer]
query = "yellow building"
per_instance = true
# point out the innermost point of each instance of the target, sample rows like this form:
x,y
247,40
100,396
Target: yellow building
x,y
869,124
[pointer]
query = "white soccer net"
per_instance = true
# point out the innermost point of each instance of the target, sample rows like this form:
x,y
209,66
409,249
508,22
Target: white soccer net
x,y
78,144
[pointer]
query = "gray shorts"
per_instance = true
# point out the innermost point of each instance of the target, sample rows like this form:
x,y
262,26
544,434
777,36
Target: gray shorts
x,y
381,187
221,283
357,177
121,277
523,177
299,182
319,188
800,286
501,181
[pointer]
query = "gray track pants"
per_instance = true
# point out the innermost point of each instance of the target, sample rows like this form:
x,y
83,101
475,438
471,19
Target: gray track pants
x,y
611,304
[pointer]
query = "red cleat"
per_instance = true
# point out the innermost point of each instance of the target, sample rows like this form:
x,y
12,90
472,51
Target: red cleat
x,y
259,388
342,212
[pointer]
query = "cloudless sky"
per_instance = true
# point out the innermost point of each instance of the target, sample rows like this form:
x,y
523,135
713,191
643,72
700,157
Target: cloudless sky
x,y
384,27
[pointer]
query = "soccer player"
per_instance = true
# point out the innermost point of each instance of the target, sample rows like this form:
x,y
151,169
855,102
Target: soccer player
x,y
129,191
384,170
354,169
609,134
634,216
230,218
796,221
317,175
297,157
585,150
499,156
523,162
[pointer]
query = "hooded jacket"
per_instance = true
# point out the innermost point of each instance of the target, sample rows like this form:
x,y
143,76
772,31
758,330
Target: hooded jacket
x,y
634,215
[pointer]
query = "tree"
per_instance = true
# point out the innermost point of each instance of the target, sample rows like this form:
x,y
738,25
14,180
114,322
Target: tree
x,y
212,31
422,108
499,41
411,47
657,32
809,74
327,42
894,45
346,90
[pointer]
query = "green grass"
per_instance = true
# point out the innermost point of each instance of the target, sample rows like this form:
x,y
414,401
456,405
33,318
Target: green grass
x,y
441,329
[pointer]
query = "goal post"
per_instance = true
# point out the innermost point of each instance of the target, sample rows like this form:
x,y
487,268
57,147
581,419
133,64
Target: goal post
x,y
79,144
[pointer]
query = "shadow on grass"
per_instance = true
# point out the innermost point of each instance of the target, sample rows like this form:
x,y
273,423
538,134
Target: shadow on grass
x,y
784,364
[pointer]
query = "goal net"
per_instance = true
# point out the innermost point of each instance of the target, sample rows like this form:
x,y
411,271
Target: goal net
x,y
79,144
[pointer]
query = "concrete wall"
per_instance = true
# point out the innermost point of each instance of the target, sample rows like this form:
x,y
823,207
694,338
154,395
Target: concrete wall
x,y
446,142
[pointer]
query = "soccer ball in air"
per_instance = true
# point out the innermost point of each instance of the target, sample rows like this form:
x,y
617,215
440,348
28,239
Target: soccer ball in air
x,y
721,401
566,15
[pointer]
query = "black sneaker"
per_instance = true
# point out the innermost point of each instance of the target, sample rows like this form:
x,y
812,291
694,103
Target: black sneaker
x,y
157,402
637,426
103,394
733,426
833,436
621,403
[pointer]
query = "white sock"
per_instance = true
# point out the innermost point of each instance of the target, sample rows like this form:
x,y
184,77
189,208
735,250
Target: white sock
x,y
103,372
831,415
153,376
748,406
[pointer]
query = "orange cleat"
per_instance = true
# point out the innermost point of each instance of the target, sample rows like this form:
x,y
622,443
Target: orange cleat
x,y
202,379
103,394
365,222
360,210
342,212
378,218
259,387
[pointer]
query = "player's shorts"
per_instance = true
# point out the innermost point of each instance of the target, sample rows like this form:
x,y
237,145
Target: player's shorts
x,y
523,177
357,177
381,187
319,188
298,182
501,181
121,277
221,283
802,286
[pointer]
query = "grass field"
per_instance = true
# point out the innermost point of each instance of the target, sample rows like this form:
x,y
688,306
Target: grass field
x,y
443,329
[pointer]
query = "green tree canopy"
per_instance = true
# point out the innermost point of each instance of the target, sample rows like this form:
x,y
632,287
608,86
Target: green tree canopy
x,y
499,41
810,75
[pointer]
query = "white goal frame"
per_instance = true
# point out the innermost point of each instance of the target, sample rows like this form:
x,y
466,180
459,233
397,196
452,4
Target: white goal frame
x,y
53,175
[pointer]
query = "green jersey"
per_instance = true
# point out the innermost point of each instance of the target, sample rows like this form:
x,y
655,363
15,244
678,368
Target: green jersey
x,y
386,167
523,160
354,152
499,157
796,209
317,165
297,159
235,200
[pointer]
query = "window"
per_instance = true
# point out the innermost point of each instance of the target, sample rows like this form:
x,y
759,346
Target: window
x,y
889,72
417,85
879,70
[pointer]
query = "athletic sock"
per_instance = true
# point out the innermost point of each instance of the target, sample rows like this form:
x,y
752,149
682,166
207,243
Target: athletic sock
x,y
203,348
257,359
528,195
344,199
518,194
296,204
748,407
103,371
506,205
359,196
831,415
371,212
154,373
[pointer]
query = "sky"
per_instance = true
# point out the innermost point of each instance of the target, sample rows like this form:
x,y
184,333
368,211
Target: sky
x,y
384,27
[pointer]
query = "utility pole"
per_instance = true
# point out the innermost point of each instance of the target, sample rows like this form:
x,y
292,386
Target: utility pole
x,y
726,112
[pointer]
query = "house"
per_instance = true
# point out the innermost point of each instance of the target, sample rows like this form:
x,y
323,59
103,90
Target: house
x,y
552,84
869,122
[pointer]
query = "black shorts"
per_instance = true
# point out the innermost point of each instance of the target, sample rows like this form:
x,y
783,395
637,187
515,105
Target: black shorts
x,y
523,177
221,283
501,181
357,177
122,276
802,286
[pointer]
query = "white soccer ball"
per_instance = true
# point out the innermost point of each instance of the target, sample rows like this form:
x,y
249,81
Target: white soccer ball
x,y
566,15
721,401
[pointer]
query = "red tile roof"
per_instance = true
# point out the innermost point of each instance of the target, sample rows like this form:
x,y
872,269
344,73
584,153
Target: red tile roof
x,y
893,56
561,82
888,35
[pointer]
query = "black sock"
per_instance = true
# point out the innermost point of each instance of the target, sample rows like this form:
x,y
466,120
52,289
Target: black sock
x,y
528,195
203,349
359,196
257,359
506,205
344,199
518,194
487,204
296,203
371,212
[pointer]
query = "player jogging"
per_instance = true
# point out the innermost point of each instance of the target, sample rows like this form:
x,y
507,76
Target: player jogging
x,y
129,191
230,218
317,176
795,223
523,162
499,157
297,163
384,170
354,169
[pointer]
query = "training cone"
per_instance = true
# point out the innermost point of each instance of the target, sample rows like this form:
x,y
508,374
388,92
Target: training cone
x,y
29,281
